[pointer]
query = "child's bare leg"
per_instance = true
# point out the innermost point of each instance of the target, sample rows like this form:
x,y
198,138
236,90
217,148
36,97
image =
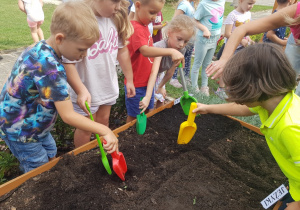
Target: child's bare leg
x,y
82,137
129,119
221,83
34,34
40,32
159,104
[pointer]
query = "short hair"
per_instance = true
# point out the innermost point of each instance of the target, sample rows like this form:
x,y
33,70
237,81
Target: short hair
x,y
75,20
257,73
182,22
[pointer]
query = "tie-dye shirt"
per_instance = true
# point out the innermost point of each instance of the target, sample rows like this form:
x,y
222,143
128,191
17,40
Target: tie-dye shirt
x,y
37,80
210,14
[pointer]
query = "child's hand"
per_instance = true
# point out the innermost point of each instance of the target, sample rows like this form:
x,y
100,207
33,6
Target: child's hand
x,y
244,42
162,91
176,56
144,103
111,144
130,89
206,34
82,97
201,109
293,206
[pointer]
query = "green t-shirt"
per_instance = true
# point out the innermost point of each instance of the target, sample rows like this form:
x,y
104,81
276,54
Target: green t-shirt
x,y
282,133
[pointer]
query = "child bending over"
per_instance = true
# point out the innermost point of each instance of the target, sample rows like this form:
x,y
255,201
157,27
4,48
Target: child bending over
x,y
37,89
179,32
265,85
142,52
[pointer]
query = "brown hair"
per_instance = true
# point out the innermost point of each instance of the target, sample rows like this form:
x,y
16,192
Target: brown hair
x,y
75,20
257,73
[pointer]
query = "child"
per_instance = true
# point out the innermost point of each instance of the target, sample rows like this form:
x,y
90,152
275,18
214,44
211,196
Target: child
x,y
184,7
283,17
97,79
37,89
157,27
278,35
179,32
209,19
35,17
267,90
141,50
238,17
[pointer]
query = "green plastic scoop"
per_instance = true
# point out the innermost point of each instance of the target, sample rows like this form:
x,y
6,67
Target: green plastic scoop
x,y
141,122
104,158
186,99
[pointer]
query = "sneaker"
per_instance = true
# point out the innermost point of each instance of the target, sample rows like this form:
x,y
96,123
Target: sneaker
x,y
221,93
175,83
205,90
196,90
188,81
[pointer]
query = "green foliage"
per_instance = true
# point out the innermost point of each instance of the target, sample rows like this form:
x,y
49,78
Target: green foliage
x,y
8,165
62,132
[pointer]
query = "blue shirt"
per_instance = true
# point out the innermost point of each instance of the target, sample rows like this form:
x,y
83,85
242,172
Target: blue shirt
x,y
210,14
187,8
280,33
37,80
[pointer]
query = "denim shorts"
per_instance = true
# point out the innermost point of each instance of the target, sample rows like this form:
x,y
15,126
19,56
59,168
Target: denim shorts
x,y
33,154
132,104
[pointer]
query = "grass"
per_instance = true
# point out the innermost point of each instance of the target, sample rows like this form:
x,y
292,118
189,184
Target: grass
x,y
168,10
15,32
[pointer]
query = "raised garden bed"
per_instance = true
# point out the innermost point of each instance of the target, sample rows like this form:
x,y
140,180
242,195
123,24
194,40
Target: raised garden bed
x,y
225,166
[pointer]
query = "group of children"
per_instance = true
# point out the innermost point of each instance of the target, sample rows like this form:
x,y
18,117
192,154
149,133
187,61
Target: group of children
x,y
81,54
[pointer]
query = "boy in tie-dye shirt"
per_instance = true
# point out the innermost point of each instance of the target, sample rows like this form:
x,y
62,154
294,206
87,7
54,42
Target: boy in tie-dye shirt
x,y
37,89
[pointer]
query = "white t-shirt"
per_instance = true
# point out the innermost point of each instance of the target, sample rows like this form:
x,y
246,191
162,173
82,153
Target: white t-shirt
x,y
236,19
98,69
34,10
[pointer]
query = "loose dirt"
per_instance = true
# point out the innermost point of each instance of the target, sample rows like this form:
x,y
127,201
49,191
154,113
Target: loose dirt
x,y
225,166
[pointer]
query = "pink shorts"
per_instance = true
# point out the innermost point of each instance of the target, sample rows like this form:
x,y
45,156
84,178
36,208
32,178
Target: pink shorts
x,y
32,24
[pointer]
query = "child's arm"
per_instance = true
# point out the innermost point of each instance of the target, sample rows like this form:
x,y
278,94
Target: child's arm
x,y
167,77
151,82
74,81
147,51
125,63
206,32
42,4
274,38
270,22
224,109
228,32
21,6
69,116
293,205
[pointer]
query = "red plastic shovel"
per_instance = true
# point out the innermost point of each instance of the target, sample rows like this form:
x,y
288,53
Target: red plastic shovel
x,y
119,163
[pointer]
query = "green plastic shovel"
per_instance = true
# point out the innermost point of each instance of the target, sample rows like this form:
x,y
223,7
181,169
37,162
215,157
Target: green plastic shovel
x,y
104,158
141,122
186,99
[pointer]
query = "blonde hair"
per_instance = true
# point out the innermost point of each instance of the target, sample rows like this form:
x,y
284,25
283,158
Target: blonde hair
x,y
121,20
182,23
75,20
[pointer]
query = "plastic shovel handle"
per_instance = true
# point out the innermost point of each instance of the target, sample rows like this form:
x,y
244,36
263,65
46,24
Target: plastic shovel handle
x,y
182,77
191,117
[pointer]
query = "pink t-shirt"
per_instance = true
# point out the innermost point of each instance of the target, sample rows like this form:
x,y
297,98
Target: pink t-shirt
x,y
296,28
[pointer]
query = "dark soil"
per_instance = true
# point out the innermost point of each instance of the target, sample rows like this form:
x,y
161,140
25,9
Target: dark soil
x,y
225,166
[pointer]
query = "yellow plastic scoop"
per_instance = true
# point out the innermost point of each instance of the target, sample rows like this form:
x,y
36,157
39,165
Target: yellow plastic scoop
x,y
188,128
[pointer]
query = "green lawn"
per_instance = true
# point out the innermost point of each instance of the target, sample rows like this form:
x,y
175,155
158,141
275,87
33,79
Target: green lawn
x,y
14,31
